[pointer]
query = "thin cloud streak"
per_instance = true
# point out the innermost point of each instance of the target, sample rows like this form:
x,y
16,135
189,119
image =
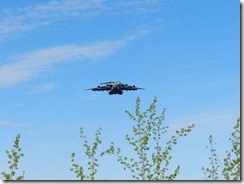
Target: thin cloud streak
x,y
43,88
206,123
90,97
44,14
32,64
203,119
12,124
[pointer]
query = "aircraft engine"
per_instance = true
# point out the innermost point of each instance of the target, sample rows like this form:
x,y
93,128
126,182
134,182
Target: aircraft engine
x,y
133,86
98,86
126,85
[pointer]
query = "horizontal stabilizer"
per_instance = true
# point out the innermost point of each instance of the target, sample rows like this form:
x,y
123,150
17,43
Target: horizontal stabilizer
x,y
106,82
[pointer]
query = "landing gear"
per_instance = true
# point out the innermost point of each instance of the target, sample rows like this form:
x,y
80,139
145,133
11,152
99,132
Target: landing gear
x,y
114,93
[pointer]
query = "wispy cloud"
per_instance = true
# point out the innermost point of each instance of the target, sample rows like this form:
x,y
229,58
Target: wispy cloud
x,y
32,64
43,88
206,123
92,96
12,124
29,65
32,134
44,14
204,118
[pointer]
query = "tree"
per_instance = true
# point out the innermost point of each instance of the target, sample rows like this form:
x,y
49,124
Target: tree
x,y
213,172
91,154
14,157
232,162
152,162
231,168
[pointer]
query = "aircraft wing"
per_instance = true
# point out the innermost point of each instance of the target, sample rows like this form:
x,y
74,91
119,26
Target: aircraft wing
x,y
100,88
129,88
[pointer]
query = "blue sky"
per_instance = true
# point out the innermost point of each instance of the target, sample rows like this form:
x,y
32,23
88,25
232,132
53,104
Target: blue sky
x,y
187,53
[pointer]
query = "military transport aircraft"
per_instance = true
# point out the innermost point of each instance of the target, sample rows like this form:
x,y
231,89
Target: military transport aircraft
x,y
114,87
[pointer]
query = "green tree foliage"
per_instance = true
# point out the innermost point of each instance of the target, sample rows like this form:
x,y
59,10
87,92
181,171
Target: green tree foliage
x,y
91,154
152,160
231,168
14,156
213,172
232,162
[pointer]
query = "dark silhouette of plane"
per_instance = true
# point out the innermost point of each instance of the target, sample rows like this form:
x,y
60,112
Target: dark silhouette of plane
x,y
114,88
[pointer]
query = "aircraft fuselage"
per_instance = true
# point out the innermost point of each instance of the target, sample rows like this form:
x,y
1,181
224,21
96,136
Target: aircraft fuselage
x,y
116,89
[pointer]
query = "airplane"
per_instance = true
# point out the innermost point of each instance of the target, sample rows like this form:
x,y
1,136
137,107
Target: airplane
x,y
114,88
